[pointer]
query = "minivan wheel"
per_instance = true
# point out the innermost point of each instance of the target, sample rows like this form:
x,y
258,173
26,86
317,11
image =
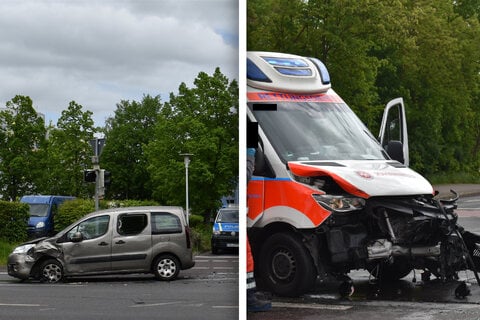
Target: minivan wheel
x,y
166,268
51,271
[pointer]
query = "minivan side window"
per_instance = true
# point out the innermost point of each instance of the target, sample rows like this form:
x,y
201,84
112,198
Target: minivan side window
x,y
131,224
91,228
165,222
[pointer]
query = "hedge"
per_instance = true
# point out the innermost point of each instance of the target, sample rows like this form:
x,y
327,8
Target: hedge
x,y
14,218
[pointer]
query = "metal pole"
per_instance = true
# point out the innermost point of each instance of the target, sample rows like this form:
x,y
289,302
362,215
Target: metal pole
x,y
96,167
186,187
186,160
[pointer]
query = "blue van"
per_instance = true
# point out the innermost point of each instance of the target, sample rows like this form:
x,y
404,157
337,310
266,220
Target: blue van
x,y
42,213
225,229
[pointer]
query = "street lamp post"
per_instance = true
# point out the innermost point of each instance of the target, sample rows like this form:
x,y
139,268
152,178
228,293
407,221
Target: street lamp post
x,y
186,160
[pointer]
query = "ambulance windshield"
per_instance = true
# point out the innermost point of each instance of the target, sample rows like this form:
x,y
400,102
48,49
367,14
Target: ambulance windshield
x,y
303,131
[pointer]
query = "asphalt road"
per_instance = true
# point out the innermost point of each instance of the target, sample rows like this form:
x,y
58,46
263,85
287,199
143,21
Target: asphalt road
x,y
208,291
404,299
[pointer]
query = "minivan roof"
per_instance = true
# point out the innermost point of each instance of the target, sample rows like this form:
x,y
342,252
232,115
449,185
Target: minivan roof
x,y
138,209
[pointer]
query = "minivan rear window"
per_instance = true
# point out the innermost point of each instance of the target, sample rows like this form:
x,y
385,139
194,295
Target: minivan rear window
x,y
165,222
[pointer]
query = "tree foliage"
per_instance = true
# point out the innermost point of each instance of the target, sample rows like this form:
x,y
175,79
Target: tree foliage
x,y
425,51
127,134
22,137
142,150
203,121
69,152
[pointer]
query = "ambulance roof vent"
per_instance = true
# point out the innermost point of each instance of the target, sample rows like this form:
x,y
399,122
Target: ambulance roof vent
x,y
281,72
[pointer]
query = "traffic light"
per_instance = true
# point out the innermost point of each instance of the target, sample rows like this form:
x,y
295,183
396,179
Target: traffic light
x,y
107,178
89,175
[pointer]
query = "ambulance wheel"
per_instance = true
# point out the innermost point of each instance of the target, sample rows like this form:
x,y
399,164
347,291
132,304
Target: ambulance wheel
x,y
286,266
391,270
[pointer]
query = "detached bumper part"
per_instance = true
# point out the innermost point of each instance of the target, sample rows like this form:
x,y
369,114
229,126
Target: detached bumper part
x,y
383,249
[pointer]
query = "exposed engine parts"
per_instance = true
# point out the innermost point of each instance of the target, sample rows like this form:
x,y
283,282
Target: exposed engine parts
x,y
390,237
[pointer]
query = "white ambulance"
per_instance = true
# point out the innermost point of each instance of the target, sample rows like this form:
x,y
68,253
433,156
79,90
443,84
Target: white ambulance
x,y
327,197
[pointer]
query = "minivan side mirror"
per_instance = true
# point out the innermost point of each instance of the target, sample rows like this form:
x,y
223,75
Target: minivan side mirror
x,y
77,237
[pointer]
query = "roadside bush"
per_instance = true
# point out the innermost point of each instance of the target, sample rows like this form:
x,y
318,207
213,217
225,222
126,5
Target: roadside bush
x,y
195,220
14,217
71,211
200,236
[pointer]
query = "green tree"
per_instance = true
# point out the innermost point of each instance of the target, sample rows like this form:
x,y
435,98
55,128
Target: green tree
x,y
202,120
341,33
22,136
425,51
438,77
126,135
69,152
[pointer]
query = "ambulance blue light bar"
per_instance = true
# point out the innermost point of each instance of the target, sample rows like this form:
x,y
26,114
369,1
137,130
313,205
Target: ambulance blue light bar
x,y
323,70
305,72
290,66
254,72
286,62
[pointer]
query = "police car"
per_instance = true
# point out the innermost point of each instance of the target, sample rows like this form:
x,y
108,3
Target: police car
x,y
225,229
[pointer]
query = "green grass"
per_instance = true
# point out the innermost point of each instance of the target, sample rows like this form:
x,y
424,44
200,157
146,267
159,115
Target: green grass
x,y
5,250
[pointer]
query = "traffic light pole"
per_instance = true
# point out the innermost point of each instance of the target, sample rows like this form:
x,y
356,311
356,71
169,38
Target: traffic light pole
x,y
96,167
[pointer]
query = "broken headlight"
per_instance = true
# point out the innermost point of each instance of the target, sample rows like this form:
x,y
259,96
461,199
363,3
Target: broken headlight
x,y
23,249
339,203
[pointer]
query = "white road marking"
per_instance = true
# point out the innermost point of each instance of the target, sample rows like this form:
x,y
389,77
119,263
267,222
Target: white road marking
x,y
309,306
141,305
19,305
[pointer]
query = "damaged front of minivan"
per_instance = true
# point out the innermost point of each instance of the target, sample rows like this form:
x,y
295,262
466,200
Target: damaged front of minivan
x,y
28,259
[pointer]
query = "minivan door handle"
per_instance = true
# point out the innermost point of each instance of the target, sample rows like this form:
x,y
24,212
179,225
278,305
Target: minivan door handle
x,y
120,242
103,243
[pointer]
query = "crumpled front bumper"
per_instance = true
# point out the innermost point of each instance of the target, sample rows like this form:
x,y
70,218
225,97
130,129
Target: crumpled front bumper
x,y
20,265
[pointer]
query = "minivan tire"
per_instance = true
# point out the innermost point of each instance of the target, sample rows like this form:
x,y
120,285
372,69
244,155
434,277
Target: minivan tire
x,y
166,267
51,271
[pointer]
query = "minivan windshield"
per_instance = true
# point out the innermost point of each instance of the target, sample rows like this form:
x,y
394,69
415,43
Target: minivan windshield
x,y
303,131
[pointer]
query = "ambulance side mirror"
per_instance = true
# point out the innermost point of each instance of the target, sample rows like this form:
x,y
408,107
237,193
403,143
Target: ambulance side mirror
x,y
260,163
394,149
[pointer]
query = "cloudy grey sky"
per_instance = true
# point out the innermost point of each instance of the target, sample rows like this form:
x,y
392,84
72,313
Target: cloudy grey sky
x,y
98,53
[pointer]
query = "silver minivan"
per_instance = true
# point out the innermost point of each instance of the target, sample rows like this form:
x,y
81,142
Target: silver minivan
x,y
114,241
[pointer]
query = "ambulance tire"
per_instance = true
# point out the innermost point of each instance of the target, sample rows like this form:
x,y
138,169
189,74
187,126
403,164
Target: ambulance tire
x,y
286,267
